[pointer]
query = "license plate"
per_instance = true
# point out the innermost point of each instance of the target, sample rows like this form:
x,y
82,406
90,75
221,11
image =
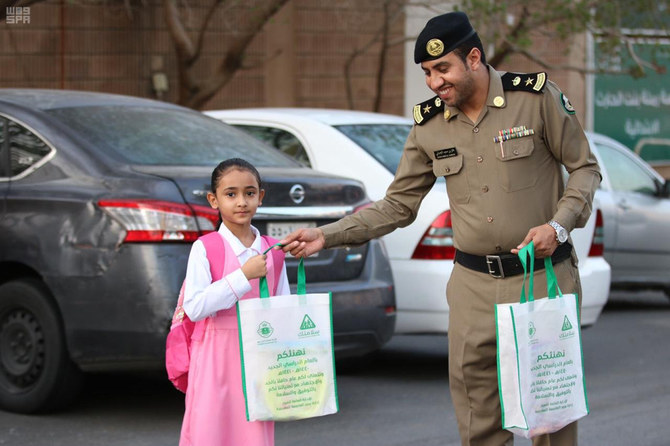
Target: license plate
x,y
281,230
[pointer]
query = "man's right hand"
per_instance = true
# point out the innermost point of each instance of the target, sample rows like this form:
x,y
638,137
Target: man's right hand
x,y
304,242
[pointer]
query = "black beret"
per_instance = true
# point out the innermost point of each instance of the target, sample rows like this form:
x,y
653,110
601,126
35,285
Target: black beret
x,y
441,35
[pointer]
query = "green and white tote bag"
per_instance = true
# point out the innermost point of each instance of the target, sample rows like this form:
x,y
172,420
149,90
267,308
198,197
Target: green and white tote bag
x,y
540,365
286,343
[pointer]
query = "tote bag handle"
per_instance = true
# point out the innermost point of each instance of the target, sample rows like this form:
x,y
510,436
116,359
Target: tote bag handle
x,y
264,291
526,253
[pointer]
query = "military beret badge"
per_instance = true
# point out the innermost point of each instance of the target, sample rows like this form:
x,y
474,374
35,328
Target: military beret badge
x,y
435,47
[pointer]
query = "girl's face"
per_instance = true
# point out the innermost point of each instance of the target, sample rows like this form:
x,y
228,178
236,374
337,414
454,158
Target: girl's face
x,y
237,197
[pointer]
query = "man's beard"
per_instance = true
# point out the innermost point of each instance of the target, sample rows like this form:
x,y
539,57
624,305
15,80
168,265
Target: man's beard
x,y
463,91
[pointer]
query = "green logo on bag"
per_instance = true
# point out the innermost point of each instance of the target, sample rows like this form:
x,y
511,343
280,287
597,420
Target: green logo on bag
x,y
531,329
308,328
307,323
566,324
265,329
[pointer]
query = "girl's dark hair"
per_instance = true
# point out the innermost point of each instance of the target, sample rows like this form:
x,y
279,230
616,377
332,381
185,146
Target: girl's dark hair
x,y
233,163
464,48
225,166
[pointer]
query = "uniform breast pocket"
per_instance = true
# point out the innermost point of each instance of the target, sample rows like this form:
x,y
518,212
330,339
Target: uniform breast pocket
x,y
516,169
454,173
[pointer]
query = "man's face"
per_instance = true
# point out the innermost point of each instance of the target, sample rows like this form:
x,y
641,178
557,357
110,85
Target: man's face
x,y
450,78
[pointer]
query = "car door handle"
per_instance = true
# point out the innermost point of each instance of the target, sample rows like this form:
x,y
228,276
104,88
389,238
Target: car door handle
x,y
623,205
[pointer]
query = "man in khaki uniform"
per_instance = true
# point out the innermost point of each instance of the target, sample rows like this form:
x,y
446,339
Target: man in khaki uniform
x,y
499,140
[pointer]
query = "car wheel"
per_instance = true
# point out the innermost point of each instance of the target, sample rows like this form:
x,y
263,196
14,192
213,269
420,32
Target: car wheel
x,y
36,372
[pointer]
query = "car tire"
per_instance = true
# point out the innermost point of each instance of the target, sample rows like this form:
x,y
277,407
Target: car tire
x,y
36,372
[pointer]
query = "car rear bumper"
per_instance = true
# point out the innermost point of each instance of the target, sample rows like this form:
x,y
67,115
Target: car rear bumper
x,y
118,320
421,287
595,275
421,293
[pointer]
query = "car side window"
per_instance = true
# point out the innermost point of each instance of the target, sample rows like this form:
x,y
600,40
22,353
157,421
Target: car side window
x,y
280,139
624,173
25,148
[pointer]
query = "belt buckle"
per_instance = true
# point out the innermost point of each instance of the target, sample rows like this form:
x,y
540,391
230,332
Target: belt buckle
x,y
490,262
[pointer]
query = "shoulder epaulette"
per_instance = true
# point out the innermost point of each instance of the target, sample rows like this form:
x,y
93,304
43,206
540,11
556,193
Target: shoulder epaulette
x,y
530,82
424,111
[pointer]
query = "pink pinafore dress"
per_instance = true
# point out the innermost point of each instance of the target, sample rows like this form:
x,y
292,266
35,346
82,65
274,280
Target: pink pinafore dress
x,y
215,409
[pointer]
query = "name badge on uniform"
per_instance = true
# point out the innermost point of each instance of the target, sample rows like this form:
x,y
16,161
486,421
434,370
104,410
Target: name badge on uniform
x,y
445,153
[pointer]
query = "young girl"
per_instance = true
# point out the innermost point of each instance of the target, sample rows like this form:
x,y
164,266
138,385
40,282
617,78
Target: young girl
x,y
215,408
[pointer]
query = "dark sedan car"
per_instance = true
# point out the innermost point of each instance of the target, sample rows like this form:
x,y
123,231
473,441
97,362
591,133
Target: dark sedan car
x,y
100,198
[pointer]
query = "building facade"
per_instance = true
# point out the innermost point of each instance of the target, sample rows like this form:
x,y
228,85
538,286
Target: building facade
x,y
298,58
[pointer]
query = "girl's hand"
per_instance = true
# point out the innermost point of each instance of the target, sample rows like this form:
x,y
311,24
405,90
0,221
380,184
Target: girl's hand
x,y
255,267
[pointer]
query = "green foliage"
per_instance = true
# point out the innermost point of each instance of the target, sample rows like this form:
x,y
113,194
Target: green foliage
x,y
513,25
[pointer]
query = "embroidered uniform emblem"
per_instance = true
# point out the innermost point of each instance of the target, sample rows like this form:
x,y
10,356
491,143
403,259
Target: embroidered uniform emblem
x,y
567,105
417,114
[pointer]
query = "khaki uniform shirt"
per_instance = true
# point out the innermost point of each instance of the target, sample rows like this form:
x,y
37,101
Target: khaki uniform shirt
x,y
497,190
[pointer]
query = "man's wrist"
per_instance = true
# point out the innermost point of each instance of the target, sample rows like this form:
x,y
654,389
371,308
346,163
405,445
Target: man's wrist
x,y
561,232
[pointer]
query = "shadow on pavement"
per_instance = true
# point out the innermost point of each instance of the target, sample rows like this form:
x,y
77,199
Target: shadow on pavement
x,y
405,357
633,300
149,393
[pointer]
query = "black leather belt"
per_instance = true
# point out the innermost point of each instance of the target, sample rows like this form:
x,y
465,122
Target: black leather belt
x,y
505,265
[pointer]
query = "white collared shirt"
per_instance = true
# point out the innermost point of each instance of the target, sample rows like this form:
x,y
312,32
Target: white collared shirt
x,y
202,298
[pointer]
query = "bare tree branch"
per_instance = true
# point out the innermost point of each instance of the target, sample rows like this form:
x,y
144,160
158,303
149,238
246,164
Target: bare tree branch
x,y
195,94
382,35
182,42
544,64
507,48
205,25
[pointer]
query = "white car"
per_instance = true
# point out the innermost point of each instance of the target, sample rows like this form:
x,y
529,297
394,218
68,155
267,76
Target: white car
x,y
635,203
367,146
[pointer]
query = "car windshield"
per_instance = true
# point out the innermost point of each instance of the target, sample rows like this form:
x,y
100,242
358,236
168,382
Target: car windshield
x,y
162,136
385,142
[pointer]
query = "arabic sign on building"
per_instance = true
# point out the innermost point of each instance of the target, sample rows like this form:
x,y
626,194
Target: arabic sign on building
x,y
636,112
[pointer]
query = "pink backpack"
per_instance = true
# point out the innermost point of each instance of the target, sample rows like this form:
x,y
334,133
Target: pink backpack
x,y
178,342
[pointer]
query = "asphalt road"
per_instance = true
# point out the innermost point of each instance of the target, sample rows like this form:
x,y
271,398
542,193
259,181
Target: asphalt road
x,y
400,399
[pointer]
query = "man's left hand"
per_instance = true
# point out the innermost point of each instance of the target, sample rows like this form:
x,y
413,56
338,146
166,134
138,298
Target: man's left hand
x,y
544,239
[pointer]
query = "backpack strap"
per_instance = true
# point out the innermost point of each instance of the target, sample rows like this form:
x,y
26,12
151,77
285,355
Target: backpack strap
x,y
216,253
215,249
216,256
